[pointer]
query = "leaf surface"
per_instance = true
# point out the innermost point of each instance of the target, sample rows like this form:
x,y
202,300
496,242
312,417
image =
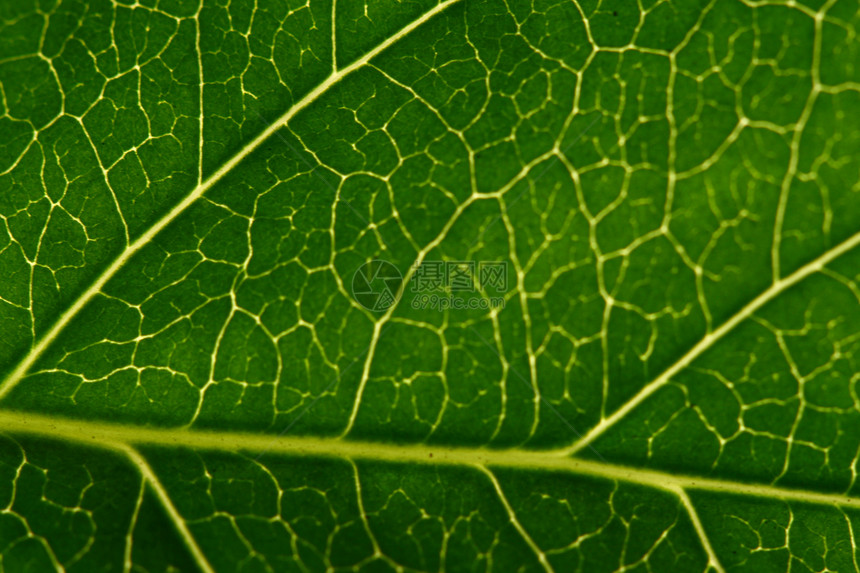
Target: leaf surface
x,y
189,381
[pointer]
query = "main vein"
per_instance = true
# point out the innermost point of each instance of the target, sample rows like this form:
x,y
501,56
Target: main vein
x,y
105,435
95,288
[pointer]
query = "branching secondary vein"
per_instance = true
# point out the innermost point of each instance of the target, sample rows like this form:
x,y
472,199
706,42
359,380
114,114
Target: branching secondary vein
x,y
43,343
166,502
711,338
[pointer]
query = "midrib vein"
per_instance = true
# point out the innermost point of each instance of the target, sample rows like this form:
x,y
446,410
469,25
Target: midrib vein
x,y
45,341
109,436
711,338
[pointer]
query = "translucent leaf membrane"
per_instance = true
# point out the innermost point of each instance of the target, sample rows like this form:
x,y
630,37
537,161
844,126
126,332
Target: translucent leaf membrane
x,y
657,375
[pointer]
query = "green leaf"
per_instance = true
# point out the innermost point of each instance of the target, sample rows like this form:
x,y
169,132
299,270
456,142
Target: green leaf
x,y
214,217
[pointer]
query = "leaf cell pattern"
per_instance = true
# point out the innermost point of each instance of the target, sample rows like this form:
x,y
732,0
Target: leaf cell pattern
x,y
187,189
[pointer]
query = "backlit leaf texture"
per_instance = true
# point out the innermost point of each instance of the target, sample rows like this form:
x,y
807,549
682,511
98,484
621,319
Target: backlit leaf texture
x,y
188,382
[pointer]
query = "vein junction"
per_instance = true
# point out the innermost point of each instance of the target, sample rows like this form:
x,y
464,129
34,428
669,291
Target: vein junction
x,y
592,126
